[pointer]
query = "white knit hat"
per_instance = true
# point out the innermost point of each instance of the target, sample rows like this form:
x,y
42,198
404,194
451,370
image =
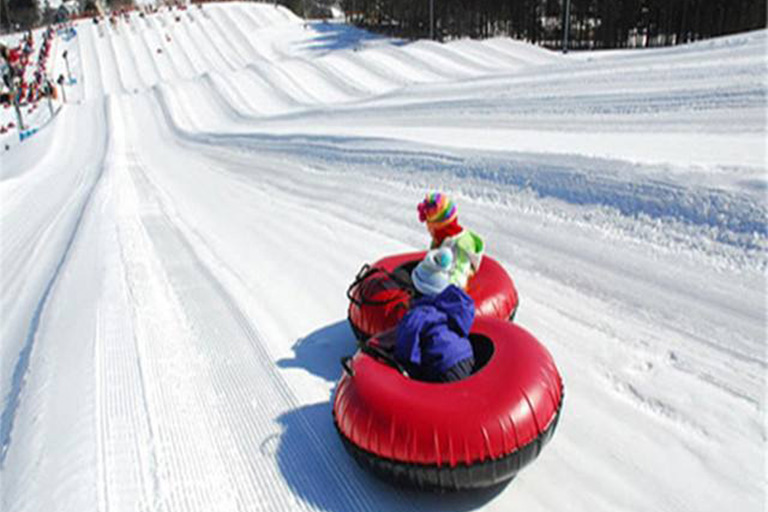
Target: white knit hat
x,y
432,275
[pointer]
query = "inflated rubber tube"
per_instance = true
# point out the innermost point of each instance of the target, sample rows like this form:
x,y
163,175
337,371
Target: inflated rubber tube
x,y
380,295
474,433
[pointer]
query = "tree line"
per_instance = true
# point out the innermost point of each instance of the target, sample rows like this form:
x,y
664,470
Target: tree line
x,y
593,23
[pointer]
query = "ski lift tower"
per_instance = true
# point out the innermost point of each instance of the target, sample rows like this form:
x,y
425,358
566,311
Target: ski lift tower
x,y
566,24
432,20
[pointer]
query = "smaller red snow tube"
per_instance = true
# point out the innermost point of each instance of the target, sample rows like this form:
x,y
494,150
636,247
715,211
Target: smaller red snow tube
x,y
381,293
474,433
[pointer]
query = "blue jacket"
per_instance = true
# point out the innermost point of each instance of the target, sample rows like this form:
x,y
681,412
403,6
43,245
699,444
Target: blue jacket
x,y
433,334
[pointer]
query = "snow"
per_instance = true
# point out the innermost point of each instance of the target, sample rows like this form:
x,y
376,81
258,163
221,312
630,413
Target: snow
x,y
176,243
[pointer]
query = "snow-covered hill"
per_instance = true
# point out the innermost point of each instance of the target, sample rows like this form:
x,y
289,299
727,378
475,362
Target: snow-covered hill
x,y
176,243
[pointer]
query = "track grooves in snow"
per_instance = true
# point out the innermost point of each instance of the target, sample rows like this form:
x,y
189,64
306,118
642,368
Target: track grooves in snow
x,y
126,458
22,363
213,394
171,332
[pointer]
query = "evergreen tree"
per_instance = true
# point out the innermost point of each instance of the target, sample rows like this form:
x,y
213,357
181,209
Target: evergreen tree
x,y
23,14
116,5
49,13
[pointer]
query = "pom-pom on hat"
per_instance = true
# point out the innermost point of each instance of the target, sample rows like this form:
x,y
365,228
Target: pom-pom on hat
x,y
437,210
432,275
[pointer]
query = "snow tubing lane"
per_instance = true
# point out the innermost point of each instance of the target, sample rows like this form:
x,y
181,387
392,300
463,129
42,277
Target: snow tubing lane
x,y
462,435
378,299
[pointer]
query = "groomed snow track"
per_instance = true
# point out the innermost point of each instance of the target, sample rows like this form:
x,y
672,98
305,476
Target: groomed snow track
x,y
177,240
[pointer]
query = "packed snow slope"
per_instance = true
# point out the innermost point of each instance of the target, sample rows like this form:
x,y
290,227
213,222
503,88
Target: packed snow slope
x,y
177,241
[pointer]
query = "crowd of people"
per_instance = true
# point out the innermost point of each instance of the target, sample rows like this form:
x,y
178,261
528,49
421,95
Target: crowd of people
x,y
26,73
25,80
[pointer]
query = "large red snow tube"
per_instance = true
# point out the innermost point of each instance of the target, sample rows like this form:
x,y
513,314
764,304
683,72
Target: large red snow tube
x,y
381,293
474,433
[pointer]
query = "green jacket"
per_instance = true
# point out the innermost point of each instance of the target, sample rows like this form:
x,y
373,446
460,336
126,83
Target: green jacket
x,y
468,248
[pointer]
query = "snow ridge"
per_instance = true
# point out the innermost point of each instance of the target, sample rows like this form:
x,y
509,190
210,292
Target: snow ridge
x,y
731,218
16,387
175,246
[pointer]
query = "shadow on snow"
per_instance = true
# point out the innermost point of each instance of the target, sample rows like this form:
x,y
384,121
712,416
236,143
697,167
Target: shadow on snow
x,y
313,460
338,36
320,352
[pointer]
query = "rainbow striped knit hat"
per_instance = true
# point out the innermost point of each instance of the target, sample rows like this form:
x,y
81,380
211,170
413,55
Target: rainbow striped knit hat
x,y
437,210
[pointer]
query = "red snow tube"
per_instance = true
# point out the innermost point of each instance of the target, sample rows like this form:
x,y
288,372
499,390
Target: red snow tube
x,y
474,433
381,293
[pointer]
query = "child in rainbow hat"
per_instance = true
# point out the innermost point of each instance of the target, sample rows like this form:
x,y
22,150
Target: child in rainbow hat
x,y
441,215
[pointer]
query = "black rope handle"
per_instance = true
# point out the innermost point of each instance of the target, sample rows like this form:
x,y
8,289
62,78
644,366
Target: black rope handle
x,y
385,357
377,353
347,368
365,273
